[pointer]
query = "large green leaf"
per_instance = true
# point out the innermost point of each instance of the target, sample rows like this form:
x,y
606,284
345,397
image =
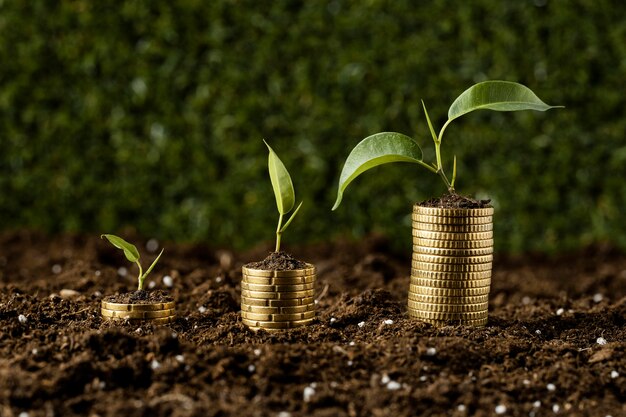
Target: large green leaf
x,y
131,252
375,150
281,182
496,95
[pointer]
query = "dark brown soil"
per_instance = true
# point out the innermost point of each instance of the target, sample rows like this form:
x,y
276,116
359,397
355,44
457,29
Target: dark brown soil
x,y
453,200
140,297
555,343
278,261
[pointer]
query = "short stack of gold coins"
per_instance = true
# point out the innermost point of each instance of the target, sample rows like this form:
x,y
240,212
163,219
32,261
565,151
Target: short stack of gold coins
x,y
277,300
451,265
155,313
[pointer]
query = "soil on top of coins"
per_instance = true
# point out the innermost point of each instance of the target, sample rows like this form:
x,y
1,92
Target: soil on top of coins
x,y
278,261
454,200
555,343
140,297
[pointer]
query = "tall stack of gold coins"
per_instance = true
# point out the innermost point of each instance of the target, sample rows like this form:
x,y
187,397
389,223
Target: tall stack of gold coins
x,y
276,300
155,313
451,265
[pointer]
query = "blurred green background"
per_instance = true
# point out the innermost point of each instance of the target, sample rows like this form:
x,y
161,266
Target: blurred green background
x,y
152,115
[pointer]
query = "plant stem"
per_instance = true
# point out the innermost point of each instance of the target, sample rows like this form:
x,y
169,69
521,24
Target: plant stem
x,y
278,232
140,278
440,171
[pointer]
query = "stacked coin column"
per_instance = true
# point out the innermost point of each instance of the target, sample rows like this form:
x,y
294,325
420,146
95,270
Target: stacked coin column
x,y
276,300
156,313
451,265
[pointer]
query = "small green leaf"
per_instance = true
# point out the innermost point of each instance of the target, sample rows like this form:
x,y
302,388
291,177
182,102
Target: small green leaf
x,y
131,252
152,266
496,95
378,149
430,125
291,218
281,182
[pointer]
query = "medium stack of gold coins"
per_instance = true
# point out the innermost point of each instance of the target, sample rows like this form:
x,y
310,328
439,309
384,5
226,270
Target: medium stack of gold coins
x,y
451,265
155,313
276,300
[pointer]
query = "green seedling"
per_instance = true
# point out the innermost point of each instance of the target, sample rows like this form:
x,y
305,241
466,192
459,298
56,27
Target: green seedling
x,y
386,147
283,191
132,254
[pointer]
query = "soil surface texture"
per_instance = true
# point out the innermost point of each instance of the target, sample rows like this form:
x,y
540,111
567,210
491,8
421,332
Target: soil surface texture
x,y
453,200
555,343
140,297
278,261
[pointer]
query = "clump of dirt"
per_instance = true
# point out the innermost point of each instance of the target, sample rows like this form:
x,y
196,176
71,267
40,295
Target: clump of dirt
x,y
278,261
140,297
556,338
454,200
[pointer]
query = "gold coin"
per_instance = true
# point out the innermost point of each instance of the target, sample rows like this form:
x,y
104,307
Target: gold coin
x,y
277,317
295,294
277,324
463,236
418,273
138,307
429,266
137,315
448,308
160,320
292,302
447,292
309,270
423,218
278,310
436,283
452,260
453,212
442,323
452,252
255,302
259,294
453,244
276,288
297,309
433,299
435,315
470,228
308,279
259,309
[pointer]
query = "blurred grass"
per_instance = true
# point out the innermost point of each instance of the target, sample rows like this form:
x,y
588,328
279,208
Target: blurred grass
x,y
151,114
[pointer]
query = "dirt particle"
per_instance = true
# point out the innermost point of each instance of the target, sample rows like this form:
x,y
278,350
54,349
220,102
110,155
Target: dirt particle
x,y
168,281
454,200
22,319
500,409
601,341
614,374
308,393
278,261
551,387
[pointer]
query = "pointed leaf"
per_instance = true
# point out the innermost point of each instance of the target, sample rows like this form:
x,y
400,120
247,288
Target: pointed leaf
x,y
291,218
281,182
496,95
430,125
378,149
131,252
152,266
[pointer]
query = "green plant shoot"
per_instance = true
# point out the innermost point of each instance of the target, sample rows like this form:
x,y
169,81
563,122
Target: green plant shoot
x,y
283,191
132,254
386,147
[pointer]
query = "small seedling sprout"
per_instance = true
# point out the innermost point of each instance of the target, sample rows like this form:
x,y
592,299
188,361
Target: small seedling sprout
x,y
283,191
386,147
132,254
